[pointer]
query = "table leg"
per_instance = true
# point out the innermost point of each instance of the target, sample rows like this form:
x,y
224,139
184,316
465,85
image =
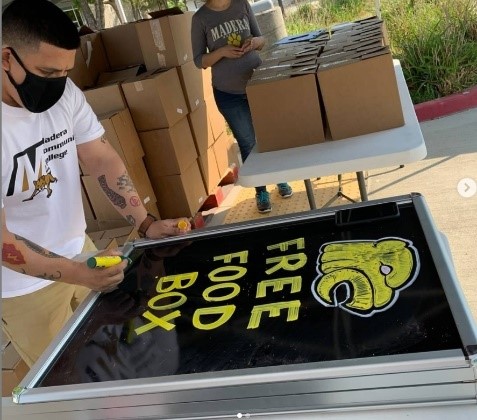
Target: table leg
x,y
362,186
309,193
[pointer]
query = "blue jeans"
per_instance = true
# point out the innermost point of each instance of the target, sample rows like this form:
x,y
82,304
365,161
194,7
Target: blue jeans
x,y
236,111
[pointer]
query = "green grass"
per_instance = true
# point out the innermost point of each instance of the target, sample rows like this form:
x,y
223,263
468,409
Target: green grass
x,y
435,40
312,15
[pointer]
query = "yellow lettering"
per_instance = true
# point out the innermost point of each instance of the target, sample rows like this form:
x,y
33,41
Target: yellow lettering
x,y
283,246
237,273
162,322
274,310
176,282
152,301
225,313
235,291
284,262
227,258
278,284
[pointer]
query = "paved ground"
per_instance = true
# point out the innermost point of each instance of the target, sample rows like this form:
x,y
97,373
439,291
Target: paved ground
x,y
452,155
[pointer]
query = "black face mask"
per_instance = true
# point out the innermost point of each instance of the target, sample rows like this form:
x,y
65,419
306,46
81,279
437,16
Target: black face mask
x,y
38,93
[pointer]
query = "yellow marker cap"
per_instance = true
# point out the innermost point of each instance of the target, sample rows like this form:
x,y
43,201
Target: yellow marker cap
x,y
182,224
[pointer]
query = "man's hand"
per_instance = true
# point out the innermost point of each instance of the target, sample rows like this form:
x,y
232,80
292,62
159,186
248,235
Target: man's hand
x,y
168,227
100,279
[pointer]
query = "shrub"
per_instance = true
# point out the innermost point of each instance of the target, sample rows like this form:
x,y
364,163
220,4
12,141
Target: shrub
x,y
435,40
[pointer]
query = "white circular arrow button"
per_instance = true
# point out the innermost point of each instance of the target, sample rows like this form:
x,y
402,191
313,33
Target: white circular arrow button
x,y
467,187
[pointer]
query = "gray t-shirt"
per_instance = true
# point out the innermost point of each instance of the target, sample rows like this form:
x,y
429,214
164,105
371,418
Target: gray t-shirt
x,y
212,29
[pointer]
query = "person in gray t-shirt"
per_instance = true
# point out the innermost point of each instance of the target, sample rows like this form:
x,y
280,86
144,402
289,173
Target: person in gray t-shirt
x,y
225,36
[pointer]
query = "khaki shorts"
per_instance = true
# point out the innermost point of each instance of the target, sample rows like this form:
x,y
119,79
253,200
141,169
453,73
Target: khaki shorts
x,y
32,321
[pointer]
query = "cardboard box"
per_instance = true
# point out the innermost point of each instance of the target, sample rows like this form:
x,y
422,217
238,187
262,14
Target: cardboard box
x,y
192,82
209,170
121,235
96,236
220,148
225,151
216,119
122,135
169,151
90,61
155,100
5,341
94,54
14,369
122,47
97,225
151,207
207,83
361,95
80,74
118,76
165,42
180,195
286,112
106,99
201,129
106,243
233,151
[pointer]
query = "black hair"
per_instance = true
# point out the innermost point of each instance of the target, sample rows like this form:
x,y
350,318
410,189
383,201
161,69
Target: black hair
x,y
26,23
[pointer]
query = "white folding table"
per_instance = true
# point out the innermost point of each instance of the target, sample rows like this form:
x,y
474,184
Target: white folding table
x,y
396,146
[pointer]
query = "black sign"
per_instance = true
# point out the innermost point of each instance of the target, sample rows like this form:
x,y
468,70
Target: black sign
x,y
292,293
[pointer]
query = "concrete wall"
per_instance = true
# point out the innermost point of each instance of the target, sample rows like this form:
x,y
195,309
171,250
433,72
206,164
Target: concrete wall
x,y
272,25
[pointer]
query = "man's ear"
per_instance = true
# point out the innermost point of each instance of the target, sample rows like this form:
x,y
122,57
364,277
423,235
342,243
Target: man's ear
x,y
6,54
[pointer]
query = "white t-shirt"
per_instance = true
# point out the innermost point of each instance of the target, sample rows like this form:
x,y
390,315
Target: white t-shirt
x,y
41,190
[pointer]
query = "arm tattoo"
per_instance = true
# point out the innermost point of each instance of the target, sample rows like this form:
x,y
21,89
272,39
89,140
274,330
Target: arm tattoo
x,y
125,182
131,220
114,197
37,248
103,139
51,277
11,255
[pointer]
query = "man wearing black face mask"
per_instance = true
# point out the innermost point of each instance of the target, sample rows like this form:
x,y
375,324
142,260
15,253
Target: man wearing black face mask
x,y
47,127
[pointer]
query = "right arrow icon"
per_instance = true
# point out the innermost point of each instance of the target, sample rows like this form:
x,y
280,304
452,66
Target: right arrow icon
x,y
467,187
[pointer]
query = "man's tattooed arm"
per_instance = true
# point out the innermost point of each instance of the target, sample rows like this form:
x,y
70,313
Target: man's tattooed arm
x,y
13,257
36,248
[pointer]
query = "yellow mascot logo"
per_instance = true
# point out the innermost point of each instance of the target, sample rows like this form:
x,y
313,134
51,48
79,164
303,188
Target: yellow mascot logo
x,y
364,277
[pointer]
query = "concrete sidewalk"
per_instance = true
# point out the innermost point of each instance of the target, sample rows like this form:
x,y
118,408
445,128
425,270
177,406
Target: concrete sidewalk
x,y
451,156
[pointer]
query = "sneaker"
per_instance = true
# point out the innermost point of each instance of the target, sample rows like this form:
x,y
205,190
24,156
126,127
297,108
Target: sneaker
x,y
284,190
263,202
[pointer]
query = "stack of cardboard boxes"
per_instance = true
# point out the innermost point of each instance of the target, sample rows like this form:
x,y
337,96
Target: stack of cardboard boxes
x,y
158,111
330,86
14,368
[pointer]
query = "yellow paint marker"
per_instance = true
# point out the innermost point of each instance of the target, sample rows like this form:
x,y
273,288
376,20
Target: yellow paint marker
x,y
105,261
182,224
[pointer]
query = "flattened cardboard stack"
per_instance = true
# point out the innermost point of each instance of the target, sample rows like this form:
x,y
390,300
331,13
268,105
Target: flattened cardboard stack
x,y
172,121
329,87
